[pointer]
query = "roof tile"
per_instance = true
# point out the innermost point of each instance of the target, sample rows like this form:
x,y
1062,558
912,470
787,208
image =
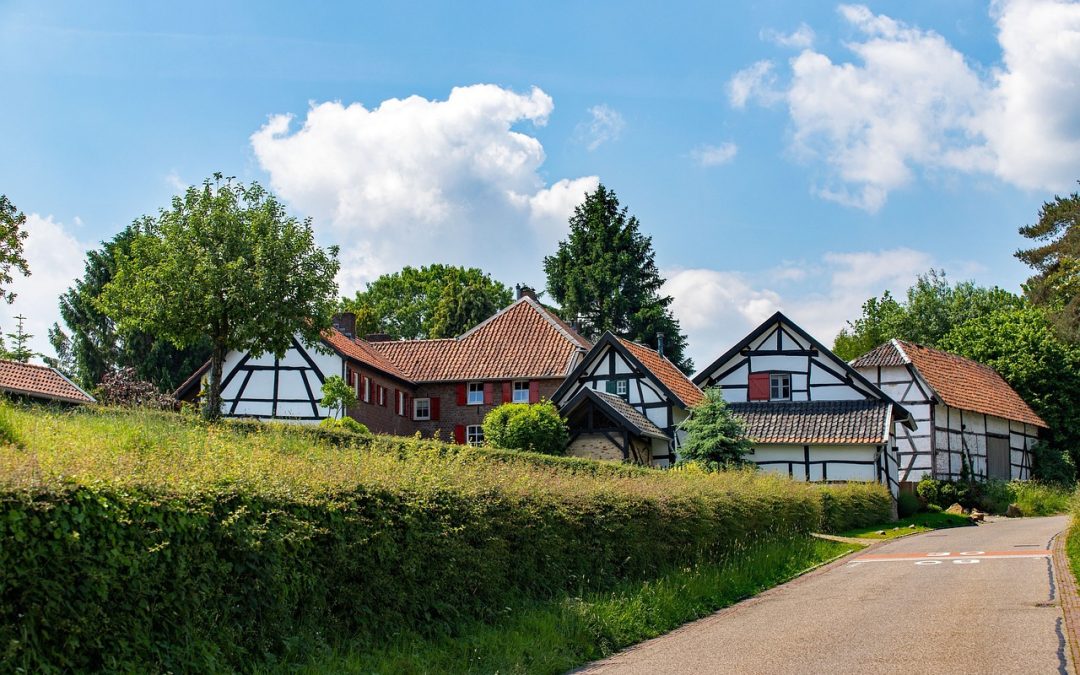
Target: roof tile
x,y
40,382
666,372
858,422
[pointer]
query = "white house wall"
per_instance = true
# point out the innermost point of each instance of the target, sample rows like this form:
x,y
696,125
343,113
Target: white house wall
x,y
844,462
916,448
962,434
250,385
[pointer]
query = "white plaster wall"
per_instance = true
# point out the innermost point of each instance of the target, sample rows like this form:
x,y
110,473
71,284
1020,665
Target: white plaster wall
x,y
794,454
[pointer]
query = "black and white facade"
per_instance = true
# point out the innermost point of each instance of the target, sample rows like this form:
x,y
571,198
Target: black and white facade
x,y
808,413
968,417
640,399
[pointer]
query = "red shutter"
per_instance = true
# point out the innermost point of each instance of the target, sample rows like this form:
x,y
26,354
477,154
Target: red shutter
x,y
350,376
435,408
759,387
534,392
385,396
508,392
459,434
489,393
397,401
461,394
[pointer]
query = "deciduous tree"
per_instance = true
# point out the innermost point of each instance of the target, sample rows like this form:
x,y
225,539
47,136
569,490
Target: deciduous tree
x,y
224,262
12,236
604,277
434,301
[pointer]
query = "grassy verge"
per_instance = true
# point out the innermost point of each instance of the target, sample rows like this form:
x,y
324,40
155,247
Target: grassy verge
x,y
1072,538
554,636
923,522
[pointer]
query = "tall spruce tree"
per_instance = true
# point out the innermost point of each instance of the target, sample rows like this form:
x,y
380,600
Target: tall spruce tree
x,y
1056,260
604,277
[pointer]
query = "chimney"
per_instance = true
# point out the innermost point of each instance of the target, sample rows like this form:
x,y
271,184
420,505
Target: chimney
x,y
660,344
345,323
377,337
523,290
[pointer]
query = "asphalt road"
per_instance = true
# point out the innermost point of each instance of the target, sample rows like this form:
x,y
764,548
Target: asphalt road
x,y
985,603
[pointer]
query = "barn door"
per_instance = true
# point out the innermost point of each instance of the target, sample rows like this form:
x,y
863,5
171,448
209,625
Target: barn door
x,y
997,458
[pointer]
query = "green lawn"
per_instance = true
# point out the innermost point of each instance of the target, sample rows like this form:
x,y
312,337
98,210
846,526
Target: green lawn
x,y
923,522
561,634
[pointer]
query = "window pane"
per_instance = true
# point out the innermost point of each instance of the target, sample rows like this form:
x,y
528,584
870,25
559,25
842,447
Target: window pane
x,y
521,392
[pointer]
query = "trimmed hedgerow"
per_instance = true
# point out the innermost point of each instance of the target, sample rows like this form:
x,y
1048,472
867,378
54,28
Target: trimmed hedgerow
x,y
143,541
849,505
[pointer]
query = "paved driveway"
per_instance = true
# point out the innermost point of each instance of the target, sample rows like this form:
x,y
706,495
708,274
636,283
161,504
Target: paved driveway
x,y
969,600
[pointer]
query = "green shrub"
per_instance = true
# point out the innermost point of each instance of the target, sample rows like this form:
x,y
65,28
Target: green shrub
x,y
846,506
536,427
907,504
1040,499
714,436
345,424
9,430
1033,498
1053,465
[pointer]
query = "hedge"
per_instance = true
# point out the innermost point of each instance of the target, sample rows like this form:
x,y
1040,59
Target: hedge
x,y
143,542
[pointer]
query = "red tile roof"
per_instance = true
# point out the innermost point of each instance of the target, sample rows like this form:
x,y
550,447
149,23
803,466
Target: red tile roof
x,y
28,379
361,351
524,340
666,372
959,382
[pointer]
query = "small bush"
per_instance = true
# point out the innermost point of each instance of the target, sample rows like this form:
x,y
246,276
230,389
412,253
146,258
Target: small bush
x,y
9,430
345,424
1033,498
907,504
124,388
536,427
1053,466
846,506
1040,499
714,436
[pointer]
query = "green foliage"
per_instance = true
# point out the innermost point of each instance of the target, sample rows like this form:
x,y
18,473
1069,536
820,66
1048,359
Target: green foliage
x,y
1056,260
536,427
20,344
9,431
907,504
931,309
1033,498
604,276
12,237
337,394
1023,348
176,545
225,262
97,347
434,301
931,519
1053,466
848,505
714,436
345,424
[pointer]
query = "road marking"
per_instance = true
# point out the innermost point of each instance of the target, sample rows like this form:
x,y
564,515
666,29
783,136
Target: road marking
x,y
935,557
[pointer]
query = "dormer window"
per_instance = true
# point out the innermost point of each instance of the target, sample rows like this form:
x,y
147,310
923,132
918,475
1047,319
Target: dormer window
x,y
779,387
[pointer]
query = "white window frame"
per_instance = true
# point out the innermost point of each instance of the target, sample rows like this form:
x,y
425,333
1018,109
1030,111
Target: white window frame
x,y
399,405
622,387
474,388
416,409
367,390
380,394
474,435
778,382
521,387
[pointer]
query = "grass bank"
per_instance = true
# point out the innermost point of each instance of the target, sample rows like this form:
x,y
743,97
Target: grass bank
x,y
920,522
138,541
561,634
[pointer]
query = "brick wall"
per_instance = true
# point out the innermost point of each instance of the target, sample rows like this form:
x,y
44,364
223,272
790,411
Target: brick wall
x,y
452,415
381,419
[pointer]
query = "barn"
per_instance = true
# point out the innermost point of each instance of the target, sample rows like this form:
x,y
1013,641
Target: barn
x,y
967,414
808,413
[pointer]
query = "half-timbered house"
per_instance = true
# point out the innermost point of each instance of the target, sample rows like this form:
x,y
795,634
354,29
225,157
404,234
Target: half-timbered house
x,y
808,413
625,402
437,387
967,414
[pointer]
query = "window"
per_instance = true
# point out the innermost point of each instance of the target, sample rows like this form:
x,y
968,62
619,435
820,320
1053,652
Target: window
x,y
399,404
380,391
367,390
474,434
476,394
521,392
622,387
421,408
779,387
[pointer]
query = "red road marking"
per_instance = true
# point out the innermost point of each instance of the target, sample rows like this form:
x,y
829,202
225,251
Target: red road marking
x,y
945,555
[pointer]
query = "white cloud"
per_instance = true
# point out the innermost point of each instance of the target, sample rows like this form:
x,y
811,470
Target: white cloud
x,y
56,259
801,38
415,181
718,307
910,101
755,82
714,155
606,125
174,181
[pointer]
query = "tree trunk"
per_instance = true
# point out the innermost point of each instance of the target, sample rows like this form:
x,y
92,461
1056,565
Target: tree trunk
x,y
212,406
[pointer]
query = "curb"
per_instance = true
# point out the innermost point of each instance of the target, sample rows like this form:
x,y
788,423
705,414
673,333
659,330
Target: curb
x,y
1068,596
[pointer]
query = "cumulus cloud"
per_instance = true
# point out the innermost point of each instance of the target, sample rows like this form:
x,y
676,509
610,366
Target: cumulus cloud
x,y
606,124
56,258
413,181
801,38
714,155
718,307
911,102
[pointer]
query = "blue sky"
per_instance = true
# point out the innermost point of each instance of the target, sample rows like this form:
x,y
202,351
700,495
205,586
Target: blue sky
x,y
800,156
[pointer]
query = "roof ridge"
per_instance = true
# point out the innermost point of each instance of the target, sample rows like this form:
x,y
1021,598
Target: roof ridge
x,y
551,319
491,318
